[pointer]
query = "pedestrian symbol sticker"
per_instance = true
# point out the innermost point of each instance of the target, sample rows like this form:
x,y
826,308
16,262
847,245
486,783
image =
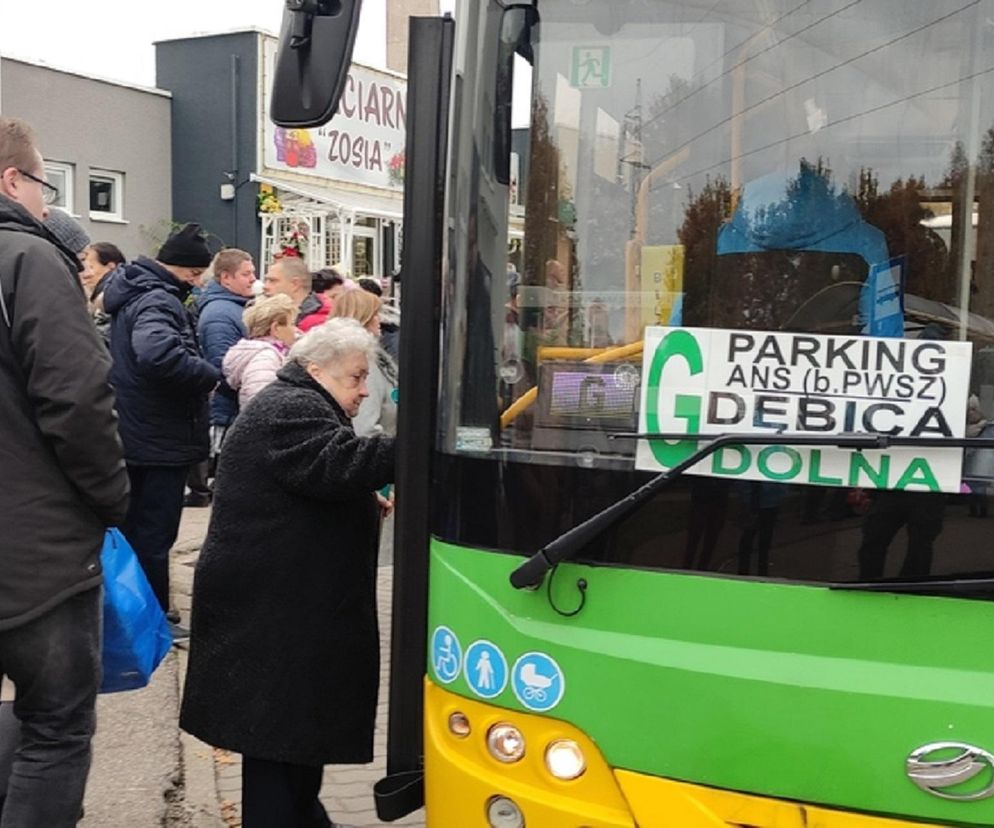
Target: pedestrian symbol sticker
x,y
446,654
538,682
486,669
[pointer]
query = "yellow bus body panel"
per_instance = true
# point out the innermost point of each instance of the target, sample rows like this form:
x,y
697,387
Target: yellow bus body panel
x,y
664,803
461,777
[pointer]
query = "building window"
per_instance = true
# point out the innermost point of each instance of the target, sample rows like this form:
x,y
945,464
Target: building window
x,y
106,195
61,176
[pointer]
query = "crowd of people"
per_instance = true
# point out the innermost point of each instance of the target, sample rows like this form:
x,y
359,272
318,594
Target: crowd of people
x,y
130,388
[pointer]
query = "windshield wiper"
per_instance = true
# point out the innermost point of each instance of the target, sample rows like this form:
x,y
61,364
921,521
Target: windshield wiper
x,y
530,574
938,586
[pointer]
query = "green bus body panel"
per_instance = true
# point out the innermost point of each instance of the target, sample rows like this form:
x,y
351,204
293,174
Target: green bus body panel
x,y
791,691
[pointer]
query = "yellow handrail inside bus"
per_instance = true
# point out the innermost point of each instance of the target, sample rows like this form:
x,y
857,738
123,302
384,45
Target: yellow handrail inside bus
x,y
547,352
592,356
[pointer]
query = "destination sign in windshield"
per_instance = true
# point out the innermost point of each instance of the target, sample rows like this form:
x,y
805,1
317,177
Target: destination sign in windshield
x,y
703,381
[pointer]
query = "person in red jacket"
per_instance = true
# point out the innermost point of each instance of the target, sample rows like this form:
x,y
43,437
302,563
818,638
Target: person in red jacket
x,y
289,275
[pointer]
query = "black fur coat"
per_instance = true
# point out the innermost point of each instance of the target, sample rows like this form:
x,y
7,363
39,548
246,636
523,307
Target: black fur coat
x,y
284,650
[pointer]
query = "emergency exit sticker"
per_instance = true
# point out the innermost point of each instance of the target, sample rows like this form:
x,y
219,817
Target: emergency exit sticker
x,y
590,67
707,382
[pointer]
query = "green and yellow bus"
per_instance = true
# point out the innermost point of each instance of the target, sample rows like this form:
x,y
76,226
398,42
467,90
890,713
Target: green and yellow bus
x,y
694,434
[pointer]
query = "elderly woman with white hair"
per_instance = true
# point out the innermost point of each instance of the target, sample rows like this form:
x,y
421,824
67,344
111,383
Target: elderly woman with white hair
x,y
284,648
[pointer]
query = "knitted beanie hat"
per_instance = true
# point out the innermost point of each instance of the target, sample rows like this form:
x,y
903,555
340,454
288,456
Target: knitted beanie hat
x,y
67,230
187,247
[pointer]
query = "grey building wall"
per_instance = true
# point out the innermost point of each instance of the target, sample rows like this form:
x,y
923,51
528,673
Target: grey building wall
x,y
399,13
214,85
96,124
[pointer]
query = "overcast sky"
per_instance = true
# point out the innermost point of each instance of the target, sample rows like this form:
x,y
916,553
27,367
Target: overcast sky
x,y
113,38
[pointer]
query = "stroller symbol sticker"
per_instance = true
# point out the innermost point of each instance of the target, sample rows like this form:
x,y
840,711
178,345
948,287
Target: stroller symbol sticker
x,y
485,668
446,654
538,682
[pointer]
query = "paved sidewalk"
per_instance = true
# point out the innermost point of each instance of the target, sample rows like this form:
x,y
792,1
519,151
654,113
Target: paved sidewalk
x,y
136,773
212,778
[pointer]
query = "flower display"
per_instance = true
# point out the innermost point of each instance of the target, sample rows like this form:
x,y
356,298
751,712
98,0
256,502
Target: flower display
x,y
395,168
293,242
266,200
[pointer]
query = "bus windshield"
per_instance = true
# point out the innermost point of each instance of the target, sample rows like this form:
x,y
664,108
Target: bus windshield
x,y
809,168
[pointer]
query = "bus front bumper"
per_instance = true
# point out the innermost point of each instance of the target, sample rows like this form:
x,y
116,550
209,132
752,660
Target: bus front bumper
x,y
463,780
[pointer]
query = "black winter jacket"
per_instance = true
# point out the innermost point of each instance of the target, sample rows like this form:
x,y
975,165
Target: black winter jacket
x,y
161,380
284,651
62,476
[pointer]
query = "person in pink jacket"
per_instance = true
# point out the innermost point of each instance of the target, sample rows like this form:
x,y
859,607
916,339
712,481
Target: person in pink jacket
x,y
251,363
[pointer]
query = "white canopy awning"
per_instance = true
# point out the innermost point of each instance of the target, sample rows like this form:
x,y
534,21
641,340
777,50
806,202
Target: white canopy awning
x,y
357,203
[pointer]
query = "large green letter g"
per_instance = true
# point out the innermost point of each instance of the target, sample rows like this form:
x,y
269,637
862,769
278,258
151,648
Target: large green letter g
x,y
685,406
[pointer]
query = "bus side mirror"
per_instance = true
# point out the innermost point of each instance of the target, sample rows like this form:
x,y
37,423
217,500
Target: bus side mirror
x,y
313,59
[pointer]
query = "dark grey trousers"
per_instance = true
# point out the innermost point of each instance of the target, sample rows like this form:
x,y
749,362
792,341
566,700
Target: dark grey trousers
x,y
54,661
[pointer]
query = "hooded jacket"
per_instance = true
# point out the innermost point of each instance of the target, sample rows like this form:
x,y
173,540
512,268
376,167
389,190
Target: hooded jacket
x,y
806,212
250,365
161,380
313,311
63,471
778,212
219,326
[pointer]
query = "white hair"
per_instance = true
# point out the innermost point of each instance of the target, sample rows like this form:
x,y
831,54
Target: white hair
x,y
331,342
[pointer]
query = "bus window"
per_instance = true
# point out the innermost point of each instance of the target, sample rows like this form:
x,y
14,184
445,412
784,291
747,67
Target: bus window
x,y
782,169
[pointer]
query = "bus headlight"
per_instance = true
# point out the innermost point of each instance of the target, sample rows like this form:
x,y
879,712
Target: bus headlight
x,y
505,743
504,813
459,725
564,759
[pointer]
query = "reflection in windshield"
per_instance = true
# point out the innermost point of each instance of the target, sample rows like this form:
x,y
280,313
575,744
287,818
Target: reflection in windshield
x,y
815,168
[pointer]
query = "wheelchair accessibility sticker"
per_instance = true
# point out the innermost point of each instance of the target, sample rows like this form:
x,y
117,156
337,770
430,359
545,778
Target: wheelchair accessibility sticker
x,y
538,682
446,654
485,668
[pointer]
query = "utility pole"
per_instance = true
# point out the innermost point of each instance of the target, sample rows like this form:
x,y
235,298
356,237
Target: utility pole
x,y
631,152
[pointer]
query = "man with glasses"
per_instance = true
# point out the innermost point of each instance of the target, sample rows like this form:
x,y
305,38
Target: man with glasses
x,y
49,193
63,483
162,384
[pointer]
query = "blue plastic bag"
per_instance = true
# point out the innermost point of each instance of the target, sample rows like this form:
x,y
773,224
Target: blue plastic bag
x,y
136,633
